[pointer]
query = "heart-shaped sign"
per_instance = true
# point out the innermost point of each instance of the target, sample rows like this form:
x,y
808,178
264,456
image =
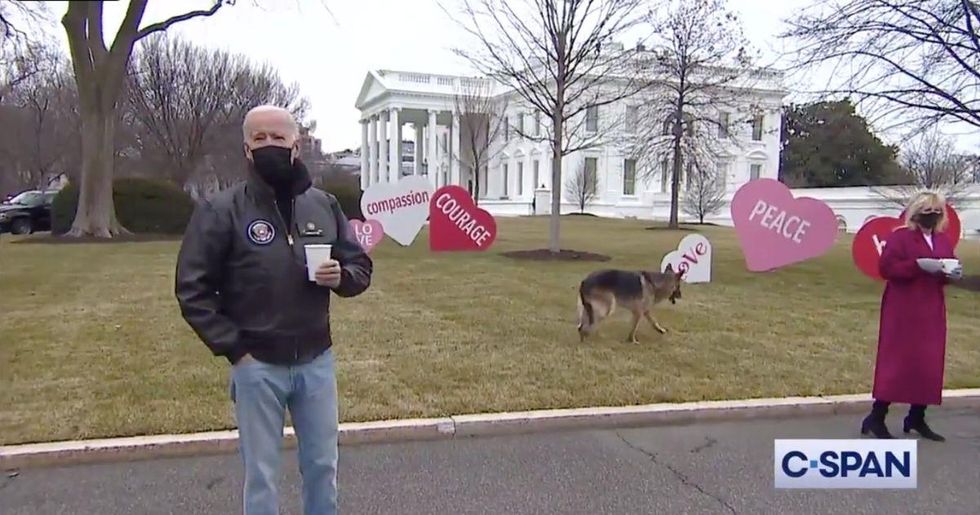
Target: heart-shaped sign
x,y
402,207
455,223
368,233
693,257
776,230
869,242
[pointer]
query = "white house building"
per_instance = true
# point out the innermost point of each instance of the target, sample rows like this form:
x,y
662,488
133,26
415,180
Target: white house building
x,y
517,179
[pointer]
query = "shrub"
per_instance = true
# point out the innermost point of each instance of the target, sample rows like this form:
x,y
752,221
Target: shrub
x,y
144,206
348,193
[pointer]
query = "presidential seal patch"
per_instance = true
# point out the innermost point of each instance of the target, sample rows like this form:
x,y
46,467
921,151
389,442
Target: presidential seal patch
x,y
261,232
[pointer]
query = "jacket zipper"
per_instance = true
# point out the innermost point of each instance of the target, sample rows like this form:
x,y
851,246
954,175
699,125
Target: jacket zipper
x,y
289,229
289,239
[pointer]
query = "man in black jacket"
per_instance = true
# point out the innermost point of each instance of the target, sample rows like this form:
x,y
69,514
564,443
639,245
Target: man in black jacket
x,y
242,285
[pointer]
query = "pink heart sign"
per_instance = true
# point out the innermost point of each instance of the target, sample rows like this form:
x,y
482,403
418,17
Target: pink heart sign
x,y
368,233
776,230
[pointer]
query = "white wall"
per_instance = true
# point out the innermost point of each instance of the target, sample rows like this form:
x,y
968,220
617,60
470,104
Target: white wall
x,y
855,205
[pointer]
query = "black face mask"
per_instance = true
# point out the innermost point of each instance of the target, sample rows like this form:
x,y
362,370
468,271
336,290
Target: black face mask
x,y
273,165
928,220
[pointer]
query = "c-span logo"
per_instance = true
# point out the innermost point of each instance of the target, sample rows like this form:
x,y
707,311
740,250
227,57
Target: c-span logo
x,y
846,463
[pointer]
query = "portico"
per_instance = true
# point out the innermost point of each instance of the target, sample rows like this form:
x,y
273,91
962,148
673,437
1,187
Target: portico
x,y
399,107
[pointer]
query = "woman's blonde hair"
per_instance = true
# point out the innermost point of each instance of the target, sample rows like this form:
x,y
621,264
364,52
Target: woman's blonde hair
x,y
920,202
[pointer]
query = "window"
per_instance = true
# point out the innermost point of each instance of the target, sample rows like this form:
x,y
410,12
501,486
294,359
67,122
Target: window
x,y
537,123
668,126
722,168
520,125
755,171
535,168
591,164
757,128
29,199
629,177
689,124
632,113
723,121
504,194
664,173
592,118
506,128
483,183
520,178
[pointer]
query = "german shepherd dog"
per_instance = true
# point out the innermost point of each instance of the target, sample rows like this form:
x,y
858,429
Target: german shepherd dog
x,y
601,291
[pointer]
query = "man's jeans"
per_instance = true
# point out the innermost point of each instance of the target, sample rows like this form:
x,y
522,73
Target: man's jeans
x,y
261,393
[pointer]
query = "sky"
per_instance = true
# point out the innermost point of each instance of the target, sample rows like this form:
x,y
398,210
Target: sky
x,y
328,46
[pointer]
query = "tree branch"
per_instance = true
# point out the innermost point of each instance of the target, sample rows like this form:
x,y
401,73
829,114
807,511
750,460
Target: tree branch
x,y
164,25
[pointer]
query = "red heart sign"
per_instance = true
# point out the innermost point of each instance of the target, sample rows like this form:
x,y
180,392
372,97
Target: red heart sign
x,y
870,240
368,233
455,223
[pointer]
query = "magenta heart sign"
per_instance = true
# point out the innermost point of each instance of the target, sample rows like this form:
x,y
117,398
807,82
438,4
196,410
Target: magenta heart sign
x,y
368,233
776,230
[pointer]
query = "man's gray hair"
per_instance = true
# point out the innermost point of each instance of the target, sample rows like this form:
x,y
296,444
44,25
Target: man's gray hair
x,y
269,109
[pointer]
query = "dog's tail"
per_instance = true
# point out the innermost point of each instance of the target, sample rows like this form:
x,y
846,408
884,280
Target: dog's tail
x,y
585,304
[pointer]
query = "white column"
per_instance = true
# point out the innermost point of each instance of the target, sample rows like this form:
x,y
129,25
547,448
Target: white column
x,y
365,164
433,167
373,150
395,146
383,148
454,153
418,149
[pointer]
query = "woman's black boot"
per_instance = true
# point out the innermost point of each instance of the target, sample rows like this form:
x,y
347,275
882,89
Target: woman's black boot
x,y
916,420
875,421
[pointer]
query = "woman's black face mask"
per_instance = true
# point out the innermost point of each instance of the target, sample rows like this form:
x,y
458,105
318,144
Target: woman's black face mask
x,y
928,219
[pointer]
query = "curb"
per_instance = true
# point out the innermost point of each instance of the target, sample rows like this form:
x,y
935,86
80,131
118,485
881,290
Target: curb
x,y
458,426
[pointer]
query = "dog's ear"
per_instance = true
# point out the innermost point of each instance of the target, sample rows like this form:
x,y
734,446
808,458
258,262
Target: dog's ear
x,y
669,269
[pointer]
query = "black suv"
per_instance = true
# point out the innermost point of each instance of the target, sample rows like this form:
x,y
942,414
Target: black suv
x,y
28,212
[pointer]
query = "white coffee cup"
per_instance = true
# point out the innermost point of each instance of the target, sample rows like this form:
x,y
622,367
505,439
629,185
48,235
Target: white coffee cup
x,y
316,255
949,265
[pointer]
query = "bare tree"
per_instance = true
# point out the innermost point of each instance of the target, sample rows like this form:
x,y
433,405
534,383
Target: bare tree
x,y
45,139
183,96
21,54
705,193
482,116
696,113
100,73
931,163
909,62
582,187
561,58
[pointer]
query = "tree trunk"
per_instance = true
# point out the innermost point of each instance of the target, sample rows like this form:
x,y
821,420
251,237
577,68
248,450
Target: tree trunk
x,y
96,214
475,170
675,181
554,242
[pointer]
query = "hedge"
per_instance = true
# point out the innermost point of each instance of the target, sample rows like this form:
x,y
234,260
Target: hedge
x,y
348,193
144,206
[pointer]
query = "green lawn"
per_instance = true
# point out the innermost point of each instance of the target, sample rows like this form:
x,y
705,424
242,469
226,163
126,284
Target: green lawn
x,y
93,344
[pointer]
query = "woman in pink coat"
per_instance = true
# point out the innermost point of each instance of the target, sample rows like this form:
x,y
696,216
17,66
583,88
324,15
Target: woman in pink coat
x,y
912,330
